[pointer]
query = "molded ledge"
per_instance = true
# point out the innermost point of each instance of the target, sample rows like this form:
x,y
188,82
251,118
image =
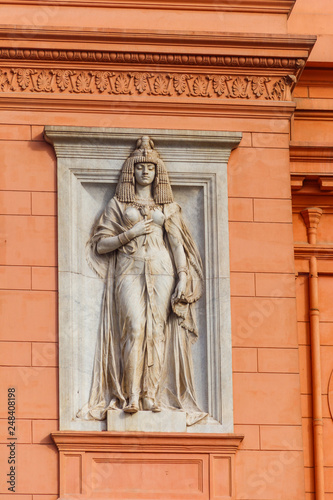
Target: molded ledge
x,y
254,6
247,42
276,110
145,442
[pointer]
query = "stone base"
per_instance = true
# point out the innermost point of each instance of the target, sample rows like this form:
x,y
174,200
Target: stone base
x,y
146,421
146,466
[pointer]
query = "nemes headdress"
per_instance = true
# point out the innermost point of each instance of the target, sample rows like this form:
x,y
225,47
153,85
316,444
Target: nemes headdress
x,y
144,153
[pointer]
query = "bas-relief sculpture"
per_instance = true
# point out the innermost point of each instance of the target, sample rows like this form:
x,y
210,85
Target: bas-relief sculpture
x,y
89,161
153,276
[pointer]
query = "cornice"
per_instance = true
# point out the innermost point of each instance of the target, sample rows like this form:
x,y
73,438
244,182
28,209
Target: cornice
x,y
203,65
318,179
314,109
90,142
301,45
307,152
108,143
143,442
254,6
314,114
306,250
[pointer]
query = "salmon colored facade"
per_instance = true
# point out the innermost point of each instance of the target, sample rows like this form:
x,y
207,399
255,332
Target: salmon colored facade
x,y
260,67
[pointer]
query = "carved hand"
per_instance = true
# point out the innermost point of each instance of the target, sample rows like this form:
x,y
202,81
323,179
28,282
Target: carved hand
x,y
140,228
178,294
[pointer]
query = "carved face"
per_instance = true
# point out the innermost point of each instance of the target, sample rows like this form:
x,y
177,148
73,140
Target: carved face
x,y
144,173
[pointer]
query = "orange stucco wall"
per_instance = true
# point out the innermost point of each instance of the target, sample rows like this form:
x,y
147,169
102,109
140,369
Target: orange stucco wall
x,y
271,368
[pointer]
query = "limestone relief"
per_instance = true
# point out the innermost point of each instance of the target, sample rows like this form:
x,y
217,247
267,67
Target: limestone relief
x,y
153,276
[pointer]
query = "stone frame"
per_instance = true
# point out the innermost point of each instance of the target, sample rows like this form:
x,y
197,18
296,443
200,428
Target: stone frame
x,y
193,158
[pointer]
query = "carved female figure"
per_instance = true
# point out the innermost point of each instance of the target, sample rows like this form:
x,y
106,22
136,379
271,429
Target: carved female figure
x,y
153,276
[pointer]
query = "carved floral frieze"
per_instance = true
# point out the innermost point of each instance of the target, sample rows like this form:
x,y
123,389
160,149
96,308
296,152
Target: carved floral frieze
x,y
149,83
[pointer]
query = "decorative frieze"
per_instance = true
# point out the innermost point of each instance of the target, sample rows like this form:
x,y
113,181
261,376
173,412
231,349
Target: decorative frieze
x,y
149,83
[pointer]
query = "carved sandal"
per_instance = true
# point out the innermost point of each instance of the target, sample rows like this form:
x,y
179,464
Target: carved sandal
x,y
155,408
132,408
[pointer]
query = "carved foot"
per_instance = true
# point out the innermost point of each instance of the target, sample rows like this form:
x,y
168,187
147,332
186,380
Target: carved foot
x,y
150,405
133,405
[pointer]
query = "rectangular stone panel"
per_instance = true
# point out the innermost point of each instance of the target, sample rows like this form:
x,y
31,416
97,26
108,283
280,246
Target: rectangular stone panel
x,y
221,477
72,464
146,476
